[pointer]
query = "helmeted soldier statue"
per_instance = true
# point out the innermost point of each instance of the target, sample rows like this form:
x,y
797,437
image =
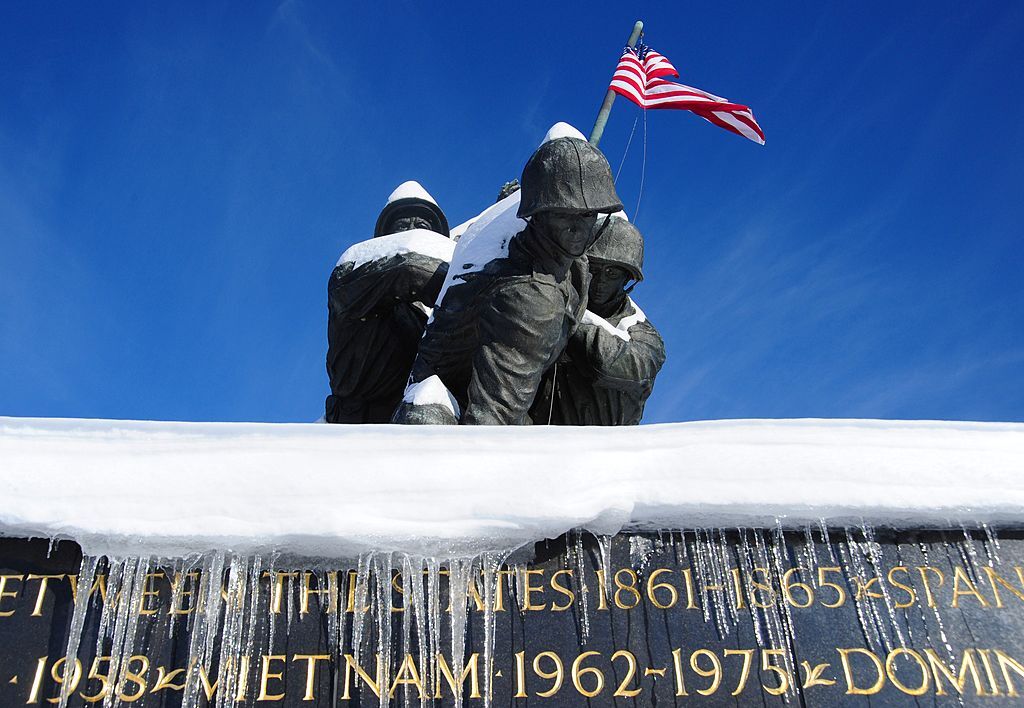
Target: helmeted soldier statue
x,y
378,300
498,329
608,368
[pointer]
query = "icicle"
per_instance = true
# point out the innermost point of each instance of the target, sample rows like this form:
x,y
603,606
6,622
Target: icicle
x,y
458,590
359,610
826,538
640,551
580,582
875,559
434,614
490,566
991,544
382,574
746,566
969,556
83,584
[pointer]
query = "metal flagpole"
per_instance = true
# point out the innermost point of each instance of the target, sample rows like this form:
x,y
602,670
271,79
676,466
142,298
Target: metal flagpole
x,y
609,98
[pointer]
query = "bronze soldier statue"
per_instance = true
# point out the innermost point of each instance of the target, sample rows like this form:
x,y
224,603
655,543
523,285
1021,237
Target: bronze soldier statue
x,y
608,368
378,300
500,328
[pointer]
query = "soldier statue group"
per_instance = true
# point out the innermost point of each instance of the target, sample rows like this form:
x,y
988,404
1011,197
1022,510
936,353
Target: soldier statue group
x,y
545,333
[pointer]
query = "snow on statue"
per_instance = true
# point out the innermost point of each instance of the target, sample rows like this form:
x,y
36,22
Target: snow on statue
x,y
502,321
378,301
607,371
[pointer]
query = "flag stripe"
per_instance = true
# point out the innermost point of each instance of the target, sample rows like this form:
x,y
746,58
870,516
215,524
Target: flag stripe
x,y
638,78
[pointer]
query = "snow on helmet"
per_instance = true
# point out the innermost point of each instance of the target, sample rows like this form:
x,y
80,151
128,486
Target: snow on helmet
x,y
567,174
411,199
621,244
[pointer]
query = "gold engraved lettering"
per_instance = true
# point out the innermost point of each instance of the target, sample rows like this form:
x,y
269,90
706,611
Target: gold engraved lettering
x,y
677,671
310,660
1008,662
165,679
960,577
499,597
783,674
563,590
812,675
602,591
923,571
529,589
104,679
653,586
204,679
688,584
59,673
787,590
714,673
995,580
737,588
413,679
911,594
473,592
470,671
187,583
578,671
958,682
37,680
890,671
277,588
305,591
99,584
764,587
852,689
839,590
4,592
266,675
350,605
993,684
148,591
373,684
556,677
748,660
243,678
629,588
520,675
37,611
864,588
135,677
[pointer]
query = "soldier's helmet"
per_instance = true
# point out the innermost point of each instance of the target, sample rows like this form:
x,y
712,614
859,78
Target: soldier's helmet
x,y
621,244
568,175
411,199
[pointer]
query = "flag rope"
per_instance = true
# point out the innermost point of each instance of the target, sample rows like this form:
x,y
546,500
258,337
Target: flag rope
x,y
643,173
626,151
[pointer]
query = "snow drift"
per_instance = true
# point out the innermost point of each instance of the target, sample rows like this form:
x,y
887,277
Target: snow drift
x,y
175,488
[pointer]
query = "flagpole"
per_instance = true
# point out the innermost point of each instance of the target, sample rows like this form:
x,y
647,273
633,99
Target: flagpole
x,y
609,98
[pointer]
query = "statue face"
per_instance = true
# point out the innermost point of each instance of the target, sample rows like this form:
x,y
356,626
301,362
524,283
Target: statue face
x,y
572,232
408,223
606,284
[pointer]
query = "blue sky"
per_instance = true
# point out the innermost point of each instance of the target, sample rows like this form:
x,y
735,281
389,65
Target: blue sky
x,y
177,179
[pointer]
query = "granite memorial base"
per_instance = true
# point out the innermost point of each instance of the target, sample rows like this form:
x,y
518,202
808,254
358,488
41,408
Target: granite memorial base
x,y
818,617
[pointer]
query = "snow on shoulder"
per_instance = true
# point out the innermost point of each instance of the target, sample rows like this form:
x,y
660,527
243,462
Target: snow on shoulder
x,y
422,241
163,488
486,239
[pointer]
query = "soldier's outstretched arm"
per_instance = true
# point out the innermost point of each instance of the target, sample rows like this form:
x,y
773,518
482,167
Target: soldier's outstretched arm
x,y
520,328
354,293
616,362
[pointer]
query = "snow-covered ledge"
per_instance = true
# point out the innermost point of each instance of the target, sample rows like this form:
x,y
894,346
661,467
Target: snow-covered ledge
x,y
324,490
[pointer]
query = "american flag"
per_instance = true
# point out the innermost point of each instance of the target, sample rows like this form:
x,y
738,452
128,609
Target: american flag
x,y
639,77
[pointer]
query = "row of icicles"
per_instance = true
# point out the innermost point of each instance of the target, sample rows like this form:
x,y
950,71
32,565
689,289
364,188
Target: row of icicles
x,y
233,616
